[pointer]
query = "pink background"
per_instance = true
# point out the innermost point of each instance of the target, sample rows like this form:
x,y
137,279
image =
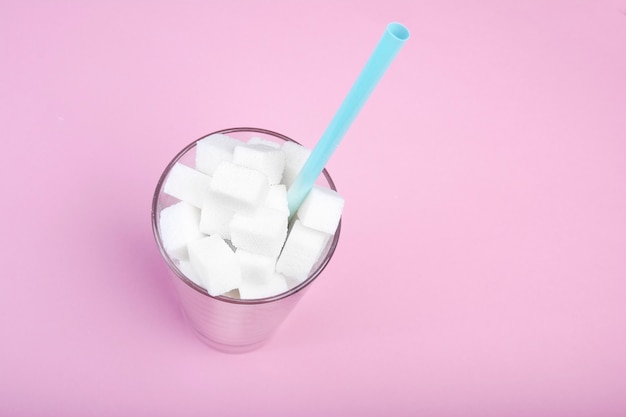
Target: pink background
x,y
482,266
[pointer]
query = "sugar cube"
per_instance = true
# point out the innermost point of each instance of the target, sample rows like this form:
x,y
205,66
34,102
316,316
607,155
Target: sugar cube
x,y
255,140
276,285
302,249
216,215
179,225
321,209
215,264
277,198
262,232
244,187
266,159
255,268
186,184
295,157
212,150
187,269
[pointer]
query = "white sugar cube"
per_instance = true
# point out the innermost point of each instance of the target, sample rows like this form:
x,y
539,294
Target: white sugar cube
x,y
216,215
302,250
255,140
212,150
255,269
186,184
321,209
295,157
268,160
179,225
187,270
262,232
277,198
216,264
244,187
275,286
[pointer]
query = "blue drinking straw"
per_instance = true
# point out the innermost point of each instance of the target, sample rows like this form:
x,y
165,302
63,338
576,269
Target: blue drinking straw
x,y
388,47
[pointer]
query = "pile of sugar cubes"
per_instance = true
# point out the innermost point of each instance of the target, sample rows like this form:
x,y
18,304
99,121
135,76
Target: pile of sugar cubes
x,y
228,230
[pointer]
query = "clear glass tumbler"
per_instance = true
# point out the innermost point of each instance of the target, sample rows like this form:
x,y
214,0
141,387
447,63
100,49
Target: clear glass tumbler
x,y
224,323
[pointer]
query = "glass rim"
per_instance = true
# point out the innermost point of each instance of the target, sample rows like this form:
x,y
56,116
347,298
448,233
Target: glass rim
x,y
170,262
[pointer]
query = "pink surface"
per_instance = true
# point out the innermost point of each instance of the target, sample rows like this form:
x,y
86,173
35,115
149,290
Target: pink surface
x,y
482,265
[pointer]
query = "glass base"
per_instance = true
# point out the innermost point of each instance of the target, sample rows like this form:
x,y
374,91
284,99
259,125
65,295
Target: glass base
x,y
222,347
228,348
